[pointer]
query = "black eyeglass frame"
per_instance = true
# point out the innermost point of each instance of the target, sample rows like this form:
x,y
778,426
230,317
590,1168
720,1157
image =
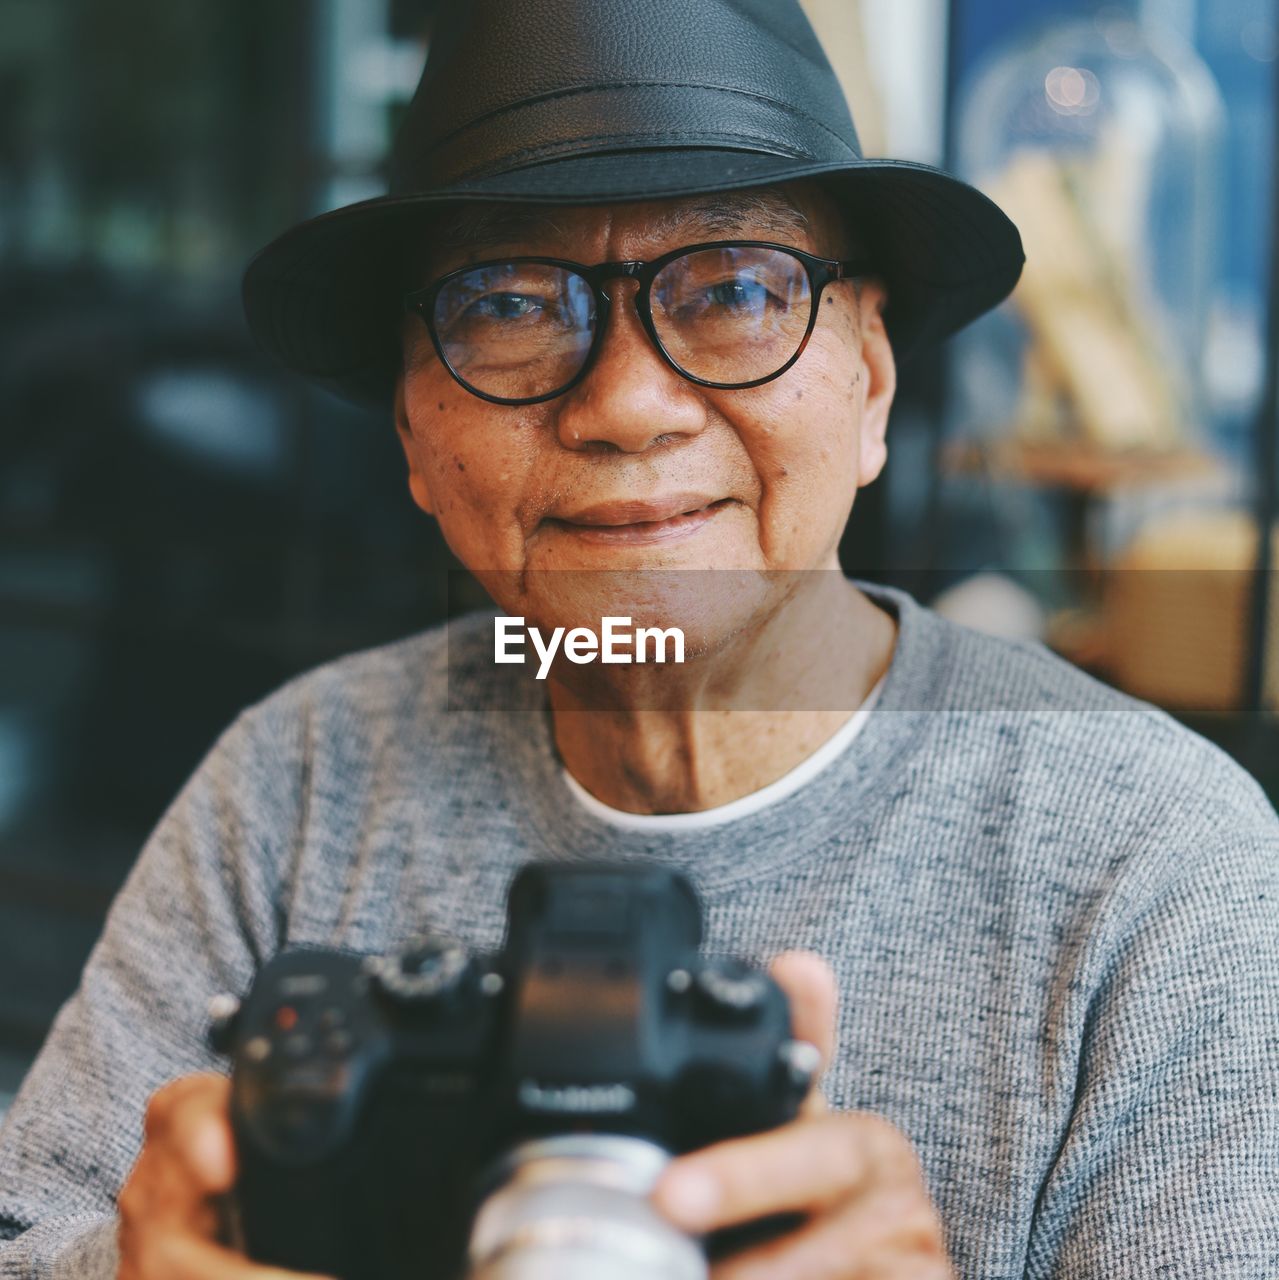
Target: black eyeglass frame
x,y
821,272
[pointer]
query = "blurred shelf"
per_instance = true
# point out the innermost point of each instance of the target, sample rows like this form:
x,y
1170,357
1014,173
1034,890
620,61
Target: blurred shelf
x,y
1080,468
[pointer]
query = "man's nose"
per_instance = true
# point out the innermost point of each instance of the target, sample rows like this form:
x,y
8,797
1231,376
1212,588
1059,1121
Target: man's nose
x,y
631,399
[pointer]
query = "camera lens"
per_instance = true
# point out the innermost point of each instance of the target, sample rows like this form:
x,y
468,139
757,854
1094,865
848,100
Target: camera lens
x,y
576,1208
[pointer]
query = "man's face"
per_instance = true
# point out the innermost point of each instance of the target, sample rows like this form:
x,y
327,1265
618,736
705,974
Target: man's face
x,y
636,468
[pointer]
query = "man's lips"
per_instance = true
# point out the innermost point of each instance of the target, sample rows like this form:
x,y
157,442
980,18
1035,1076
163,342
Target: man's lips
x,y
638,510
640,521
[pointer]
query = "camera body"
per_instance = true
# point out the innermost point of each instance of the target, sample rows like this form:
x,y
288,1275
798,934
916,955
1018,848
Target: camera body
x,y
378,1101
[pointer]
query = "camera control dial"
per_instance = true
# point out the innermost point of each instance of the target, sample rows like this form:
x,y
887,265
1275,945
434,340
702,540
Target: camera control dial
x,y
731,991
802,1063
428,973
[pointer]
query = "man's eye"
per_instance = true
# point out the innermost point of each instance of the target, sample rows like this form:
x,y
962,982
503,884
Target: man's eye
x,y
737,293
505,306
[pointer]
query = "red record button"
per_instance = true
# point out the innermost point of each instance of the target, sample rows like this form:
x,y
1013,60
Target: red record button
x,y
286,1017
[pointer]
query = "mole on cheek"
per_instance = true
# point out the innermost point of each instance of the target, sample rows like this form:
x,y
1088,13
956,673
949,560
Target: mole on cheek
x,y
799,395
441,406
461,466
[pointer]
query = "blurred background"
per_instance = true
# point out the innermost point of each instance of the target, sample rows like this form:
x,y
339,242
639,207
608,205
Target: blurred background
x,y
182,526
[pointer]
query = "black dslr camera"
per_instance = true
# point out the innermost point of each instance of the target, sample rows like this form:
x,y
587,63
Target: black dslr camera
x,y
436,1114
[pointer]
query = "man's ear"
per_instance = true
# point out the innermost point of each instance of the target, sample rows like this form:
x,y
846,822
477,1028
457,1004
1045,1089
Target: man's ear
x,y
880,370
419,486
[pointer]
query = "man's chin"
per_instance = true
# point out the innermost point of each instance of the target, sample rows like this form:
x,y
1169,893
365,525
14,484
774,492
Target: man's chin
x,y
707,606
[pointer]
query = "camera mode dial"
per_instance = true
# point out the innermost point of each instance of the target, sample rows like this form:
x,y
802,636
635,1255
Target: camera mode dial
x,y
731,991
425,974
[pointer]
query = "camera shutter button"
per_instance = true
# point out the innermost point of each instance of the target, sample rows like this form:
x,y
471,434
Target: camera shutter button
x,y
224,1020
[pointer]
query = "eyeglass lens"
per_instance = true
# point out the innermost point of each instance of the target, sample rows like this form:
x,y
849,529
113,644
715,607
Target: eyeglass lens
x,y
520,330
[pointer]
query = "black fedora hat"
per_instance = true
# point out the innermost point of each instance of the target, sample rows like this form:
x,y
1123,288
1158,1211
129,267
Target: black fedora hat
x,y
603,101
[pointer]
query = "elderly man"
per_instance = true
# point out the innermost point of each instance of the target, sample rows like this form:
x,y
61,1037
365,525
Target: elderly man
x,y
637,308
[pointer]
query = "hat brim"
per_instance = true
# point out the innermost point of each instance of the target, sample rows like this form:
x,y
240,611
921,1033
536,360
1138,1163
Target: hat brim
x,y
324,298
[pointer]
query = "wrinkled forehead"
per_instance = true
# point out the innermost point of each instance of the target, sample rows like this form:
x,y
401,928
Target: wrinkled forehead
x,y
791,215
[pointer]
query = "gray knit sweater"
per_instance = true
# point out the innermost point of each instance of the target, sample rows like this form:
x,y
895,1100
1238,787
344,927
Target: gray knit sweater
x,y
1051,909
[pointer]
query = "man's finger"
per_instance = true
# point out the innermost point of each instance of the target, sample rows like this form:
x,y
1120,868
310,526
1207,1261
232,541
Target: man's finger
x,y
159,1194
189,1122
177,1256
887,1236
202,1142
802,1167
809,983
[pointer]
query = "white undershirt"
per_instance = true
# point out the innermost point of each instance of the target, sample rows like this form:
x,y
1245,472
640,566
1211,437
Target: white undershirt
x,y
744,806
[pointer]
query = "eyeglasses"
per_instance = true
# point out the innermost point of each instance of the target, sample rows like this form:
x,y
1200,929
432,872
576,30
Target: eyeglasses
x,y
729,314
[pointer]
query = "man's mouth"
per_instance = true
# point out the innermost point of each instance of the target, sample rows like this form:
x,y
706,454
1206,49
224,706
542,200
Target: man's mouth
x,y
632,521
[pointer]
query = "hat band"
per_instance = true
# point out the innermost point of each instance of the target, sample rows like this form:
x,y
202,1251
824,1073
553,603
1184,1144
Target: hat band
x,y
609,118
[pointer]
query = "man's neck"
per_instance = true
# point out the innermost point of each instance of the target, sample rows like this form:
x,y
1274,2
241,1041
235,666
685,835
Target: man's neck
x,y
794,685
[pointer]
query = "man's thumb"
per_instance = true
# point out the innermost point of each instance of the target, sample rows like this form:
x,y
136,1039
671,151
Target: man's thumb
x,y
809,983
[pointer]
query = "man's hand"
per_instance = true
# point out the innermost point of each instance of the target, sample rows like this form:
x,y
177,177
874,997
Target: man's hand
x,y
854,1176
168,1207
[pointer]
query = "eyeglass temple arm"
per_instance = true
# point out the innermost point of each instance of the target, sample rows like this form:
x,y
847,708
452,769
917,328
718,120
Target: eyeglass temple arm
x,y
851,269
